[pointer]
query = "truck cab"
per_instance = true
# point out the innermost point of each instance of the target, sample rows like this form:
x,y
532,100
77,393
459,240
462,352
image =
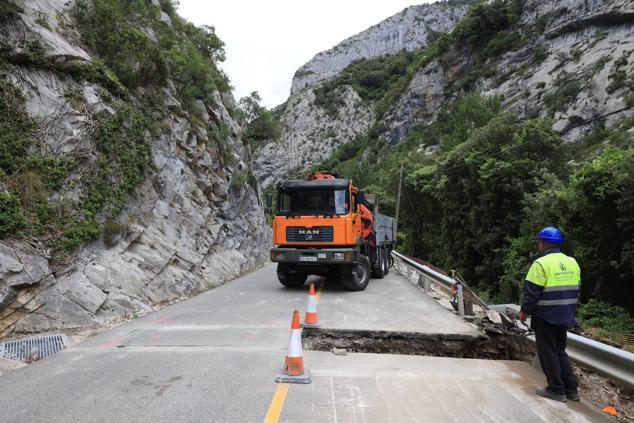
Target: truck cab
x,y
324,226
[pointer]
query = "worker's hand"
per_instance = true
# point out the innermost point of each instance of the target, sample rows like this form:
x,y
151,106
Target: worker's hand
x,y
522,316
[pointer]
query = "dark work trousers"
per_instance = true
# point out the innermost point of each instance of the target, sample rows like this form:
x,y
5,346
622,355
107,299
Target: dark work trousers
x,y
551,350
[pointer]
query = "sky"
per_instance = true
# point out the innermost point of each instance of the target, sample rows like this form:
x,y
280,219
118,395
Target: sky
x,y
267,40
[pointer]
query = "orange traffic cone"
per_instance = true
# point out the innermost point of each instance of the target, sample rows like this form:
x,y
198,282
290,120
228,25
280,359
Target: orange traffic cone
x,y
294,371
310,319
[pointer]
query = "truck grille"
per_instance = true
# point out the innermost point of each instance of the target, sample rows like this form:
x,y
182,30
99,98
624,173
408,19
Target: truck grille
x,y
304,234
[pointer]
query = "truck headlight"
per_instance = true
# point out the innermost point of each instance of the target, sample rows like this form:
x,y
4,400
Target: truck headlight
x,y
277,255
337,256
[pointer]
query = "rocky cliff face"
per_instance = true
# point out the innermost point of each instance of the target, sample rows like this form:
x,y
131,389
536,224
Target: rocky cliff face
x,y
190,224
568,71
310,135
407,30
566,60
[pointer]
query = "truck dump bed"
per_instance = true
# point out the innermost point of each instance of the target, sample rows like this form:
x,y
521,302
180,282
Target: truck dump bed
x,y
384,228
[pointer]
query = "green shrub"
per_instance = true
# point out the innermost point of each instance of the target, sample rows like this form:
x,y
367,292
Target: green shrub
x,y
15,128
50,169
370,78
607,321
41,18
600,314
252,180
237,180
106,29
75,97
564,96
540,54
219,135
11,217
78,232
501,43
8,10
34,51
484,21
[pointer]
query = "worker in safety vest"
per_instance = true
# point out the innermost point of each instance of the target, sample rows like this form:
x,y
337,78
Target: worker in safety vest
x,y
551,290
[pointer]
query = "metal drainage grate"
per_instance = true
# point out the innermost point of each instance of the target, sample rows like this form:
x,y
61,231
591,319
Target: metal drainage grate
x,y
32,349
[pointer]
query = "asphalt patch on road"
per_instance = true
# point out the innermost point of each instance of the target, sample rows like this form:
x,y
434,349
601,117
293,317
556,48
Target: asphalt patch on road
x,y
489,347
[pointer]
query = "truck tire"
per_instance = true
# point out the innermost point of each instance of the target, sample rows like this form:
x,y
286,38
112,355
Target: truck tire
x,y
379,272
290,279
386,262
357,276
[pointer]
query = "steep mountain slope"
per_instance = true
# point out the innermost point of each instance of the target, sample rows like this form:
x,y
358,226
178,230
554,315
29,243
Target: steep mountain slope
x,y
310,134
122,165
408,30
562,59
500,127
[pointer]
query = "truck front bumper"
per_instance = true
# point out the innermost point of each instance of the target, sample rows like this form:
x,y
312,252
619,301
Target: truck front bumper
x,y
315,256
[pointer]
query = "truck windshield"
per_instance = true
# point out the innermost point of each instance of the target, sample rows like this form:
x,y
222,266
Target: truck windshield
x,y
312,202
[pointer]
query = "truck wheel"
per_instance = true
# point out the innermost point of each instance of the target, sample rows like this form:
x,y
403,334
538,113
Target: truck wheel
x,y
357,277
379,272
291,280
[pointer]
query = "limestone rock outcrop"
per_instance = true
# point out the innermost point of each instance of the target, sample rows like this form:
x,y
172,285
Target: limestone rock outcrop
x,y
187,228
407,30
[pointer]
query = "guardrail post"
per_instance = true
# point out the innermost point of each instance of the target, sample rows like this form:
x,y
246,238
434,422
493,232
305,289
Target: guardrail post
x,y
460,299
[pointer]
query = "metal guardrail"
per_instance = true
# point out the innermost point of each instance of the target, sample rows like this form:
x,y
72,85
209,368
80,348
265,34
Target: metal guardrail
x,y
609,361
430,275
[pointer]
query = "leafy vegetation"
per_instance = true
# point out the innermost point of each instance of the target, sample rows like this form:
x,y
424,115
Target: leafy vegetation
x,y
184,53
238,180
481,182
132,49
559,100
11,217
476,203
41,18
262,126
8,10
607,321
483,33
28,179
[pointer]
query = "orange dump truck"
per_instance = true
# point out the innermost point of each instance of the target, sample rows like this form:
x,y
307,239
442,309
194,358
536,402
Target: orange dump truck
x,y
326,226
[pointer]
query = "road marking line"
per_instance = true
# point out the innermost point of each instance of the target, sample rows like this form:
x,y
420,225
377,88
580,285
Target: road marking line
x,y
277,403
321,286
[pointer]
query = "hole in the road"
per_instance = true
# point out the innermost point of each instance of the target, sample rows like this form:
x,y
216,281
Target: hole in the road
x,y
492,347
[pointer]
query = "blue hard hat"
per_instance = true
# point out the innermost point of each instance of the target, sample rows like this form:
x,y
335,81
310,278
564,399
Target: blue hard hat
x,y
551,234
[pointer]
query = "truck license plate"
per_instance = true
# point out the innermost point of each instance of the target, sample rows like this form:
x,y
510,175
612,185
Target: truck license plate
x,y
307,258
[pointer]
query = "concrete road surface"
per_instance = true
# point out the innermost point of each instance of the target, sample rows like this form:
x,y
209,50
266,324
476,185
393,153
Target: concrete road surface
x,y
213,359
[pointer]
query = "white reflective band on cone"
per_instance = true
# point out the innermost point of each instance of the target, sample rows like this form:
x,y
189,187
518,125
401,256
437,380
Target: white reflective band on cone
x,y
312,307
295,343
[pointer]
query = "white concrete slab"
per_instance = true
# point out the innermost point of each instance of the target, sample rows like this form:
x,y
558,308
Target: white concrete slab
x,y
390,304
395,388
